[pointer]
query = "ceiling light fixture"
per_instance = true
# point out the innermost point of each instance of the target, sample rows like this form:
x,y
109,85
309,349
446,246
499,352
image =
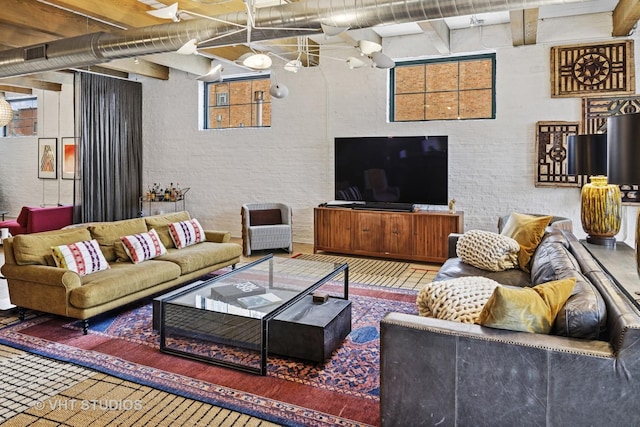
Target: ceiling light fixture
x,y
380,60
331,31
214,75
353,62
278,90
6,112
257,61
293,66
368,47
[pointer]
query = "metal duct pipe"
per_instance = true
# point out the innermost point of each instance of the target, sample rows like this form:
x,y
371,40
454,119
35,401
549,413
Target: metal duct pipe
x,y
96,48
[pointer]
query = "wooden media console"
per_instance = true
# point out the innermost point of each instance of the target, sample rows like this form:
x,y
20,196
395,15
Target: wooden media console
x,y
415,236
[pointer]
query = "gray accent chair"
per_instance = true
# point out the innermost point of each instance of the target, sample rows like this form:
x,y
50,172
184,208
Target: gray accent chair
x,y
266,226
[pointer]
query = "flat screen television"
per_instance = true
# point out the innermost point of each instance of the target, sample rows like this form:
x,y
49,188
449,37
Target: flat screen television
x,y
399,169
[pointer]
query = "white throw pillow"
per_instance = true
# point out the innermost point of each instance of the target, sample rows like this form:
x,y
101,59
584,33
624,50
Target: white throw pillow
x,y
460,299
186,233
82,257
143,246
487,250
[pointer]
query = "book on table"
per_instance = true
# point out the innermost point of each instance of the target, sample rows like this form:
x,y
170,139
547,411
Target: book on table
x,y
229,293
257,301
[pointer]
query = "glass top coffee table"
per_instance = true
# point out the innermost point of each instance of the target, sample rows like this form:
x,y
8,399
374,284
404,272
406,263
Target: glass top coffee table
x,y
225,320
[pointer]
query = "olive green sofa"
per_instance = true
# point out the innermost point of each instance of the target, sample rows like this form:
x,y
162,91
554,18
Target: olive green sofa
x,y
36,283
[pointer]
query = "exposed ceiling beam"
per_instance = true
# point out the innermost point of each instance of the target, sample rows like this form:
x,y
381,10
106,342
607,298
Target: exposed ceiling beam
x,y
31,82
438,33
524,26
16,89
139,66
625,17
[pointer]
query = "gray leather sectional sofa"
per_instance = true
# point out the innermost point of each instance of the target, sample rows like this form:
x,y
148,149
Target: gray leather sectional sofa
x,y
586,373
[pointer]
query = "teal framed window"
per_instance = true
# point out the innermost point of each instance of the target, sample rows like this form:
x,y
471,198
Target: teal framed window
x,y
443,89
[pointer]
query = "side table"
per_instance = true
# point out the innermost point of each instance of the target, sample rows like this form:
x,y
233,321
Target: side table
x,y
3,213
620,262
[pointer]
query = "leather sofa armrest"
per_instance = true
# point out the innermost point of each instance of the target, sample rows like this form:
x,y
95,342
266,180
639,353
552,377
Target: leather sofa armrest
x,y
217,236
42,275
441,371
452,242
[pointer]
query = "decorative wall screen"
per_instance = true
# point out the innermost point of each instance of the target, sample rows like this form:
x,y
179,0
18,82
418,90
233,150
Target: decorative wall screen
x,y
605,68
551,161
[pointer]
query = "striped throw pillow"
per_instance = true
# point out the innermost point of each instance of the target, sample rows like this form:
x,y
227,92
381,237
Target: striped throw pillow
x,y
143,246
186,233
82,257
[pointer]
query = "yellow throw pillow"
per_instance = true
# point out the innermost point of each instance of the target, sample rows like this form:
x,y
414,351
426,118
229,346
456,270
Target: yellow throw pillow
x,y
526,309
527,230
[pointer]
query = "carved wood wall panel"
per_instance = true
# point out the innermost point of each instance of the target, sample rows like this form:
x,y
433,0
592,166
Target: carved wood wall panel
x,y
551,160
605,68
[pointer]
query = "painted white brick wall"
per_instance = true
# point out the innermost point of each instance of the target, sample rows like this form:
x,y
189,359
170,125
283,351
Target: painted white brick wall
x,y
491,162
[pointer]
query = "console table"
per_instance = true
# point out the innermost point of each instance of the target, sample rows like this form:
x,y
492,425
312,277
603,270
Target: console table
x,y
620,262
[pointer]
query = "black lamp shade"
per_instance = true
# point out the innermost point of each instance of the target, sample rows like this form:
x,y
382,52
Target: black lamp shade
x,y
623,140
587,154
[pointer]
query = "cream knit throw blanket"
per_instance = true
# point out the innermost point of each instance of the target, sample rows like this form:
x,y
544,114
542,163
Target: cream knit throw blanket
x,y
459,299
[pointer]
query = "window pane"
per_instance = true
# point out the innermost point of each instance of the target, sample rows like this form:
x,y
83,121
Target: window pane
x,y
25,117
442,106
409,107
238,103
476,104
442,76
410,79
475,75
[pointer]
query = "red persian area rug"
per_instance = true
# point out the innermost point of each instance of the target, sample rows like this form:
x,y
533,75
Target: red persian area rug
x,y
344,390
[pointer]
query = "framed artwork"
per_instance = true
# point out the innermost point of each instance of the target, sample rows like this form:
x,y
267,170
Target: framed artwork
x,y
551,154
69,158
48,158
604,68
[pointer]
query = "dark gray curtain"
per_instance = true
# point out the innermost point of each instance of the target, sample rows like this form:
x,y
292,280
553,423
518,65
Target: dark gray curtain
x,y
110,128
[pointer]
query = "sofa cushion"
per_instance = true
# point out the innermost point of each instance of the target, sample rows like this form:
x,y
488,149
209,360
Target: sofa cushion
x,y
265,217
186,233
526,309
455,267
458,299
109,233
143,246
161,224
30,249
584,315
487,250
202,255
528,231
82,257
122,279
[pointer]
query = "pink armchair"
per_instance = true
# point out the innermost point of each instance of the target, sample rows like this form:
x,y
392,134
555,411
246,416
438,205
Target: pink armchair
x,y
35,219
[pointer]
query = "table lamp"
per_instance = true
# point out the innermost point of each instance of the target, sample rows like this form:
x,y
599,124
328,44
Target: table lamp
x,y
623,154
600,202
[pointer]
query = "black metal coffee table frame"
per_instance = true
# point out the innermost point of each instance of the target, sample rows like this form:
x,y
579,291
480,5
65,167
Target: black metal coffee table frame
x,y
163,301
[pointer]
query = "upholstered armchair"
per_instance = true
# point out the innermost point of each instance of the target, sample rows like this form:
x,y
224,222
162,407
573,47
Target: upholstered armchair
x,y
266,226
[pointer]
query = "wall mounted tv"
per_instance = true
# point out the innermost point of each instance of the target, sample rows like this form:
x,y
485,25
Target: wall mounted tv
x,y
399,169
